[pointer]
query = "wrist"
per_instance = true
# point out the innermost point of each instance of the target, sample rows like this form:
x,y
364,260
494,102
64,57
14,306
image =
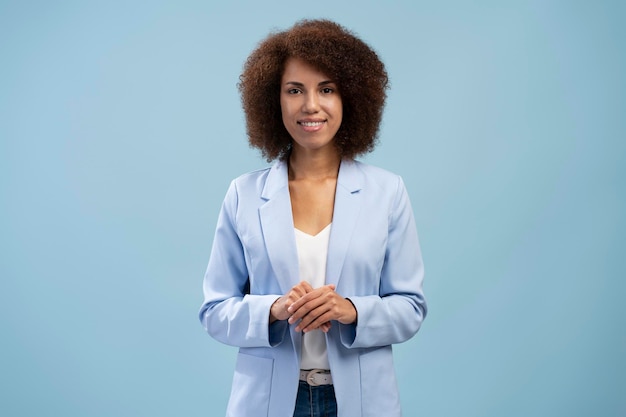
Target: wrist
x,y
354,316
275,310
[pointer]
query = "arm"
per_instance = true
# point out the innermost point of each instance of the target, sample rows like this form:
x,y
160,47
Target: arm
x,y
228,313
396,313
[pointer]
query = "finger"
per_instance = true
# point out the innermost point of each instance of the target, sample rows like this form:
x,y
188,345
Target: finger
x,y
313,294
299,311
318,322
315,317
306,286
298,291
301,288
327,308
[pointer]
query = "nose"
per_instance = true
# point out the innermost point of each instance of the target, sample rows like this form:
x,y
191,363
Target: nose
x,y
311,104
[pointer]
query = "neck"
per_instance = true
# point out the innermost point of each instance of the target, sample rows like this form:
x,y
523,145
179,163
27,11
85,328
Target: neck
x,y
313,166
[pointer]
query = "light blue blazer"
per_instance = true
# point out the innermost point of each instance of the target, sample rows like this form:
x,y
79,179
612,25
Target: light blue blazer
x,y
373,258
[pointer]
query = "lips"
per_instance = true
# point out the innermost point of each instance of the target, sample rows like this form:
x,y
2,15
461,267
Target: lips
x,y
311,123
311,126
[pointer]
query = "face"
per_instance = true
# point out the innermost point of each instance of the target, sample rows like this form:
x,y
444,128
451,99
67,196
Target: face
x,y
311,106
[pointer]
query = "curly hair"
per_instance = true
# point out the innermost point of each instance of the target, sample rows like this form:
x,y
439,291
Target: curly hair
x,y
327,46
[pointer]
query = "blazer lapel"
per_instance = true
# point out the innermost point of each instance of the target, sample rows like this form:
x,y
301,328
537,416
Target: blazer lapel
x,y
345,215
277,224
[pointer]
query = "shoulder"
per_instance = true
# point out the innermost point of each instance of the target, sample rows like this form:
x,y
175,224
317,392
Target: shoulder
x,y
252,176
251,181
380,177
260,184
374,170
380,187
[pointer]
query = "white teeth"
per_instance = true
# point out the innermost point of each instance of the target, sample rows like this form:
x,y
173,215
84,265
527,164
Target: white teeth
x,y
311,124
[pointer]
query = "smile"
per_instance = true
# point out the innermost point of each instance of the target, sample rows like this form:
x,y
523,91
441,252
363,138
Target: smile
x,y
311,124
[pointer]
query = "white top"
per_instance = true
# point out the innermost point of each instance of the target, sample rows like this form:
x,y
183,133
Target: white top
x,y
312,254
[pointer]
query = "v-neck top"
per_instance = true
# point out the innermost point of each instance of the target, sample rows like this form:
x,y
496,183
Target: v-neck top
x,y
312,254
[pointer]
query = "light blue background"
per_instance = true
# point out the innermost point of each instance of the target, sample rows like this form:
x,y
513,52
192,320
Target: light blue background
x,y
121,127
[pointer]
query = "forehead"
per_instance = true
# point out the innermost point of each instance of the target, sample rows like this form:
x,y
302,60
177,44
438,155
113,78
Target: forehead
x,y
297,69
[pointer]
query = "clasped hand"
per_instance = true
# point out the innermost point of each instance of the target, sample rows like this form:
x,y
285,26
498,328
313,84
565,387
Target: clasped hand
x,y
313,308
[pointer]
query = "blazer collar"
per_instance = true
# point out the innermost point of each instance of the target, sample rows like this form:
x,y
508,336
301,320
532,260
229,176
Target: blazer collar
x,y
350,178
348,197
278,229
277,181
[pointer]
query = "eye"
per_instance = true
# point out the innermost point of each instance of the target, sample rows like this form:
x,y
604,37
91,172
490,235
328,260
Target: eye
x,y
327,90
293,91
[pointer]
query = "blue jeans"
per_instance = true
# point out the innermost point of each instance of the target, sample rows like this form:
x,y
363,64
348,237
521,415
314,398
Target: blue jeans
x,y
315,401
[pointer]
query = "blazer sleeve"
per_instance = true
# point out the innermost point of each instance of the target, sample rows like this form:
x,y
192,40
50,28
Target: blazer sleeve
x,y
396,313
229,313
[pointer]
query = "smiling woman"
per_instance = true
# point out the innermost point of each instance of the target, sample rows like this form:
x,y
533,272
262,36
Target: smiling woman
x,y
316,267
311,107
331,50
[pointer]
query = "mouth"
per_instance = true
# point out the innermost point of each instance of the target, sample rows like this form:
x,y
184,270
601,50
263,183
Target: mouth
x,y
312,123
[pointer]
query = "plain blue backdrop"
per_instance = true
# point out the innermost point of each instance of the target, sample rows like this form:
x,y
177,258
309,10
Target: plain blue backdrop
x,y
121,127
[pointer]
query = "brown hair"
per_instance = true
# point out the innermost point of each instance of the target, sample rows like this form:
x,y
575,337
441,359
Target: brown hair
x,y
332,49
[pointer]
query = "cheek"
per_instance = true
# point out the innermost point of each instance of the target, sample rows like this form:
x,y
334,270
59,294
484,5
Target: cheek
x,y
284,112
286,108
338,109
282,106
339,113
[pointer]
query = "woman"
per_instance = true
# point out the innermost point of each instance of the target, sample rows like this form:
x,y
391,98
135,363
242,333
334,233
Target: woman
x,y
315,269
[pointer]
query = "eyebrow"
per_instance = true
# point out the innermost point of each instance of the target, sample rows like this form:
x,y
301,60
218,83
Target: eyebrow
x,y
299,84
